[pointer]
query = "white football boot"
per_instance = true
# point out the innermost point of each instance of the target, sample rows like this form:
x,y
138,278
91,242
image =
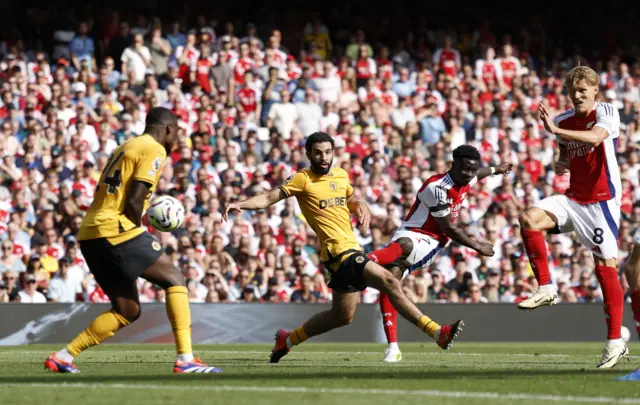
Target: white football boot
x,y
612,353
392,354
545,295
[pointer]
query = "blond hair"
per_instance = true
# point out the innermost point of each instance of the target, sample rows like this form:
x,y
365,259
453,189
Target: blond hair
x,y
581,73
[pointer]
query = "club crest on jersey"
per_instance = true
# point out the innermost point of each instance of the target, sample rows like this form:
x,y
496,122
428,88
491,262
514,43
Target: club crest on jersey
x,y
156,246
333,186
359,259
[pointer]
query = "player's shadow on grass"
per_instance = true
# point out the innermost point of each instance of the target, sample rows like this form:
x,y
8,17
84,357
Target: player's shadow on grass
x,y
293,373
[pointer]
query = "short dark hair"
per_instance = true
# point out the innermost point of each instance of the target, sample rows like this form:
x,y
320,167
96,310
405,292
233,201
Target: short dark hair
x,y
318,137
466,151
160,116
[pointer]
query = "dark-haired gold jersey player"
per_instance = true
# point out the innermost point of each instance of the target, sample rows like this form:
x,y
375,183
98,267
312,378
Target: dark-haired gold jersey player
x,y
118,249
326,199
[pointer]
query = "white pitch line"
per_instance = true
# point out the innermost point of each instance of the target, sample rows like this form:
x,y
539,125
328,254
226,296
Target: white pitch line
x,y
357,391
324,353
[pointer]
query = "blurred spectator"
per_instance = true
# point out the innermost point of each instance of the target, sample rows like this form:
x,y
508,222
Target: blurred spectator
x,y
62,287
136,59
10,261
82,48
4,293
305,294
160,51
30,295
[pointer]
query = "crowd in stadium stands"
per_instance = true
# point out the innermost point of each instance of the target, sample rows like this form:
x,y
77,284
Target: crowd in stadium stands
x,y
245,104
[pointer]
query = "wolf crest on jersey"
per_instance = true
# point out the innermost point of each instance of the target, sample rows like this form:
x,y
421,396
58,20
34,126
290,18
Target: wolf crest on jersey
x,y
438,197
597,175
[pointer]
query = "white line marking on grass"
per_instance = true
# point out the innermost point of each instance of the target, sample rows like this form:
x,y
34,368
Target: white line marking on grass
x,y
357,391
324,353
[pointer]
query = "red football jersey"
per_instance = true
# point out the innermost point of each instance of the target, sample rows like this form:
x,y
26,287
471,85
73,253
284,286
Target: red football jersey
x,y
438,197
595,174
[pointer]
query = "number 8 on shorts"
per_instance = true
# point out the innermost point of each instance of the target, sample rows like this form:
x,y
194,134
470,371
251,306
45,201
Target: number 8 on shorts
x,y
595,224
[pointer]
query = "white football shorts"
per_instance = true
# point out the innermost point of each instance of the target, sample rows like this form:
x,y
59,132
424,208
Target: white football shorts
x,y
425,249
596,224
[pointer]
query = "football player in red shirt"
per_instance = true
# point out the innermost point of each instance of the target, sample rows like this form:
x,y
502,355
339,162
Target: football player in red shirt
x,y
587,136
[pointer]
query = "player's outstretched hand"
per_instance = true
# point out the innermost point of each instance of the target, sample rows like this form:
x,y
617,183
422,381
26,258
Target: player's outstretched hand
x,y
549,126
364,215
504,168
485,249
233,207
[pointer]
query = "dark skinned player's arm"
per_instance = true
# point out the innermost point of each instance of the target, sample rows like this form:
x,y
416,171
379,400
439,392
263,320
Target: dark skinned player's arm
x,y
484,172
134,203
455,233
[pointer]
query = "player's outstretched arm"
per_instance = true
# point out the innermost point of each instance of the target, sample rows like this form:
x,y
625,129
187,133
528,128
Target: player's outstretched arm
x,y
134,203
593,136
257,202
504,168
456,234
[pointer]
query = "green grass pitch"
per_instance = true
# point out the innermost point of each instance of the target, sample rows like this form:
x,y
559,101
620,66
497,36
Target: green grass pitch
x,y
353,374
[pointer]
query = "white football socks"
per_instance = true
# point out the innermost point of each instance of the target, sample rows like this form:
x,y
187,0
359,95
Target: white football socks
x,y
64,355
185,358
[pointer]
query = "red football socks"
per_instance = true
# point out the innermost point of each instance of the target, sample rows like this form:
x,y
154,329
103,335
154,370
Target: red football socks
x,y
613,298
635,307
383,257
389,318
536,249
386,255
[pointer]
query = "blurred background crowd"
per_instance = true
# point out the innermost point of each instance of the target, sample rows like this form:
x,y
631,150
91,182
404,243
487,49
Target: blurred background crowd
x,y
248,84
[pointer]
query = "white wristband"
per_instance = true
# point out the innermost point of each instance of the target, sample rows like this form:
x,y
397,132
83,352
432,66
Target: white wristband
x,y
493,170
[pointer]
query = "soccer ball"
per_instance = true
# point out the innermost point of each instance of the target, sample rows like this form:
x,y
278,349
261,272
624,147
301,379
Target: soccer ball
x,y
626,334
165,213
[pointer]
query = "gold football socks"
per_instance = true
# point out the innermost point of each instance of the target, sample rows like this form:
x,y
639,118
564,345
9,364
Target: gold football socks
x,y
101,329
428,326
177,303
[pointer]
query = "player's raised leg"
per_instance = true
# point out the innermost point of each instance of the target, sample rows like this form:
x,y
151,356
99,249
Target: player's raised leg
x,y
381,279
532,223
632,272
125,310
164,274
343,307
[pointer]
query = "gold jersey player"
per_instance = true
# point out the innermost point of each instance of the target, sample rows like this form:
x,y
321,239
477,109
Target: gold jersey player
x,y
326,199
118,250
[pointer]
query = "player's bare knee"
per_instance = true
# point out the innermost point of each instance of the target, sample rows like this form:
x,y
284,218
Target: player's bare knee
x,y
172,279
525,220
391,283
406,245
344,318
530,220
396,272
129,312
177,280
